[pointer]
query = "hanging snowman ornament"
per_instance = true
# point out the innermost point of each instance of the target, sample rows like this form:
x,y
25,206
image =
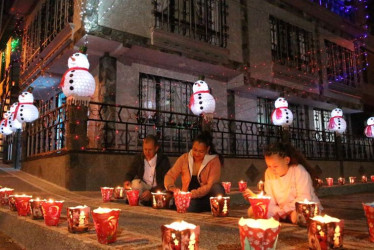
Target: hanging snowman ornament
x,y
4,124
337,123
26,111
281,115
369,129
77,83
14,124
201,101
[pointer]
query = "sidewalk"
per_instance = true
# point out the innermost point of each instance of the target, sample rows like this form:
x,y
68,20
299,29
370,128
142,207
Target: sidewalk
x,y
140,226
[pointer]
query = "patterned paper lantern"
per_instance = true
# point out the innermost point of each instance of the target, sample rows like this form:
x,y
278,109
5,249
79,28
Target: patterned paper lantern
x,y
281,115
201,101
4,124
337,123
77,83
14,124
369,129
26,111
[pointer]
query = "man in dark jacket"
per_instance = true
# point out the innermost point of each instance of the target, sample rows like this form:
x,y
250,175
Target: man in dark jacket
x,y
147,170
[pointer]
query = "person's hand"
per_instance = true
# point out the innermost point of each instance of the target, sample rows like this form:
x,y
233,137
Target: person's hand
x,y
248,193
127,185
174,190
146,195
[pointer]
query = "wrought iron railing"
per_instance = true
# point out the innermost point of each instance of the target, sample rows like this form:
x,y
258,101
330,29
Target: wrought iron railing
x,y
203,20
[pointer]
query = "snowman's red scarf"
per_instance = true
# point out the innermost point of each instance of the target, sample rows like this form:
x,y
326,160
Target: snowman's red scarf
x,y
278,113
332,122
192,99
19,104
368,131
68,71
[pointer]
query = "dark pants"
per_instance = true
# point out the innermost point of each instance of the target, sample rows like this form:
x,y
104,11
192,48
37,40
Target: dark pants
x,y
203,204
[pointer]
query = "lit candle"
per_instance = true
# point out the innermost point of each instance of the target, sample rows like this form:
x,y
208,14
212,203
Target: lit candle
x,y
258,233
352,179
364,179
106,223
180,235
319,182
160,200
330,181
182,201
372,178
325,232
341,180
4,195
220,205
305,210
36,208
22,204
260,205
242,185
119,192
260,185
227,186
369,212
52,211
133,197
78,218
106,193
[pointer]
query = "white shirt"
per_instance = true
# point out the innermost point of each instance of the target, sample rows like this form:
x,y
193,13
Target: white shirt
x,y
150,171
294,186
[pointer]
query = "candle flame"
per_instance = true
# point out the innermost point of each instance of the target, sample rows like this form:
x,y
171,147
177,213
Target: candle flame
x,y
325,219
180,225
104,210
259,223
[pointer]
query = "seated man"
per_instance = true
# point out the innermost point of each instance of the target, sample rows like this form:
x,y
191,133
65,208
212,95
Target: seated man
x,y
147,170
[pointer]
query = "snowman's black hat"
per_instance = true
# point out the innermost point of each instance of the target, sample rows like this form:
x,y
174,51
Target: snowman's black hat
x,y
83,49
30,89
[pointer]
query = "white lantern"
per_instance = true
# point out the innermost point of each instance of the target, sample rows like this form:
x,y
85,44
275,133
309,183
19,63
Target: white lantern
x,y
369,129
201,101
26,111
4,124
281,115
14,124
337,123
77,83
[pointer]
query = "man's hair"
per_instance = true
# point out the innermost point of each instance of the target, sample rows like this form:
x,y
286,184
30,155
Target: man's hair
x,y
151,138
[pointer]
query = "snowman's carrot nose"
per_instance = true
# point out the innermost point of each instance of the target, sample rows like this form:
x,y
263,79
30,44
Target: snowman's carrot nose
x,y
72,58
198,85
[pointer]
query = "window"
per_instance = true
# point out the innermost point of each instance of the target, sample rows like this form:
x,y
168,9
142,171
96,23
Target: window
x,y
341,66
204,20
291,46
164,94
321,119
343,8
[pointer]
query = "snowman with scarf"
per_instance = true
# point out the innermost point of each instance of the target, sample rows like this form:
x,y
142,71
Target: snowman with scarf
x,y
25,110
337,123
281,115
77,83
14,124
4,124
201,101
369,129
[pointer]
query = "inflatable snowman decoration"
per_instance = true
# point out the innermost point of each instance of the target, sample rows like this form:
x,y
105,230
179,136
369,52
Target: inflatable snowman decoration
x,y
77,83
4,124
201,101
14,124
369,129
281,115
26,111
337,123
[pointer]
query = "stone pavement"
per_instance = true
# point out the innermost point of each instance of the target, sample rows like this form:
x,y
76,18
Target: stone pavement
x,y
140,226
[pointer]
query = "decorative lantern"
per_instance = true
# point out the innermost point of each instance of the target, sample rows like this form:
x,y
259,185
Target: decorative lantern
x,y
330,181
341,180
260,205
369,129
319,182
4,195
352,179
106,193
261,234
77,83
372,178
242,186
337,123
201,101
281,115
4,124
227,186
182,201
26,111
133,197
106,223
14,124
364,179
22,204
306,210
52,211
180,236
119,192
220,206
325,232
260,186
369,212
36,208
160,200
78,218
12,203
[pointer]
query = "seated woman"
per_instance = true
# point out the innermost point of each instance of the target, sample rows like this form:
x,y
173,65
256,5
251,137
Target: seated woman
x,y
287,180
200,170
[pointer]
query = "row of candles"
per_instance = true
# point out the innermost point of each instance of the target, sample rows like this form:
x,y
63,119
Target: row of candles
x,y
341,180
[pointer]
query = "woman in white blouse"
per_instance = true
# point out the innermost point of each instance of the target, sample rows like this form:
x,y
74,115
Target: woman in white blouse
x,y
287,180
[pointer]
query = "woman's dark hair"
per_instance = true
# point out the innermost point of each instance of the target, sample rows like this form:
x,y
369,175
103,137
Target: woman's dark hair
x,y
207,139
296,157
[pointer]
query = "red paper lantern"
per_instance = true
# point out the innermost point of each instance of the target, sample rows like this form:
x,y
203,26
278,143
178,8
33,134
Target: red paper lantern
x,y
22,204
78,219
119,192
36,208
330,181
133,197
106,193
182,201
227,186
219,206
4,195
160,200
106,223
52,211
325,232
306,210
242,186
369,212
180,236
260,206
